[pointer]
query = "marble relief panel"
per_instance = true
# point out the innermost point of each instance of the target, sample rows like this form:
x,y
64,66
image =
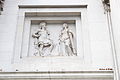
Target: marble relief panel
x,y
52,39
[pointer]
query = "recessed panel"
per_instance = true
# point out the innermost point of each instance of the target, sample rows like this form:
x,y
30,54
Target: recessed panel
x,y
49,41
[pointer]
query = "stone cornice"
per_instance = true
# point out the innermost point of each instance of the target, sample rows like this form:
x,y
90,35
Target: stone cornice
x,y
52,6
58,75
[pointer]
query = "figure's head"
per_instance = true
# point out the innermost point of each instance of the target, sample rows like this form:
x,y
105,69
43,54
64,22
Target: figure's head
x,y
42,24
65,25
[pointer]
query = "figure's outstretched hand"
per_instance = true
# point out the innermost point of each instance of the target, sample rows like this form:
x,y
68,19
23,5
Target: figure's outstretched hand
x,y
35,35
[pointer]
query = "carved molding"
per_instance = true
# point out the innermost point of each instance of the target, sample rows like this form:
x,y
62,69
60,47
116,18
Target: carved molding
x,y
53,6
68,75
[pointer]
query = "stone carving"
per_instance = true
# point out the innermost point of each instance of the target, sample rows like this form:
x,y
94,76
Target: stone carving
x,y
43,44
66,42
1,5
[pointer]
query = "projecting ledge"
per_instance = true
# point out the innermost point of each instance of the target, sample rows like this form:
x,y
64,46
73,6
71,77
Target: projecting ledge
x,y
57,75
53,6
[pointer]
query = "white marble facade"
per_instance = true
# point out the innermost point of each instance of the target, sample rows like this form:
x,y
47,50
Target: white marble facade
x,y
86,20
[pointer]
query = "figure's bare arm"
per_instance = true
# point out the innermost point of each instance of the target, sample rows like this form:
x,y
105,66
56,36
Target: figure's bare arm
x,y
48,32
71,33
36,35
48,35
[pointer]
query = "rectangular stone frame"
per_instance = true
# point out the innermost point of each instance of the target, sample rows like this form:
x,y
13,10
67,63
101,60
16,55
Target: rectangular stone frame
x,y
25,49
83,44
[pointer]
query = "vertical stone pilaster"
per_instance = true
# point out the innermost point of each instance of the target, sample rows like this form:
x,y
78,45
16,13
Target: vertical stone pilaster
x,y
115,17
